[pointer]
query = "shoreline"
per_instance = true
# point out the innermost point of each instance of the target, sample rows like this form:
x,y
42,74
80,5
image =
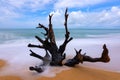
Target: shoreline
x,y
18,60
84,73
77,72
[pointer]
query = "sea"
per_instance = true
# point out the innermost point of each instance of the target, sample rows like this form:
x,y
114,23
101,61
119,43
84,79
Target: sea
x,y
26,35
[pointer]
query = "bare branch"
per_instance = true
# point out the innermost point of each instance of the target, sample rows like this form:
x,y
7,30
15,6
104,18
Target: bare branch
x,y
69,39
36,55
45,28
50,18
66,18
63,46
51,35
32,45
39,39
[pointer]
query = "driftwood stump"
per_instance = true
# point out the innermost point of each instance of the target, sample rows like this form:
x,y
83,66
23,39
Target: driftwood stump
x,y
57,54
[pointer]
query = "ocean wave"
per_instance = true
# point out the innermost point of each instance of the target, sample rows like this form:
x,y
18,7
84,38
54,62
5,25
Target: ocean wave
x,y
110,35
7,36
24,35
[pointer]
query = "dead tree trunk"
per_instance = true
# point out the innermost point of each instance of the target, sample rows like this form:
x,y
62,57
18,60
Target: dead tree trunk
x,y
49,44
57,53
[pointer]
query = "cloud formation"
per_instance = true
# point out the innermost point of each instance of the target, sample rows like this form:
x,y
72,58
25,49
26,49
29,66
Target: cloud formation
x,y
27,13
15,13
76,3
102,19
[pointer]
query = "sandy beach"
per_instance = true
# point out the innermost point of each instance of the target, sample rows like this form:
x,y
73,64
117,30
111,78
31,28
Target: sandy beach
x,y
7,77
2,63
77,73
83,73
15,62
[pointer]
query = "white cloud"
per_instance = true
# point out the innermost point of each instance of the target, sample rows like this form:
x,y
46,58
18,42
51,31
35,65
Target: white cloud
x,y
76,3
58,18
106,18
26,4
110,17
8,13
15,7
13,10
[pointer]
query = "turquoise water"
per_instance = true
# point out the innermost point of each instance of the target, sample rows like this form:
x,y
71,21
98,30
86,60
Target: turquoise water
x,y
20,34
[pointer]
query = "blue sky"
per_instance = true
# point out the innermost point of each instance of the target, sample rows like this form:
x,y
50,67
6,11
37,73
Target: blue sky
x,y
82,13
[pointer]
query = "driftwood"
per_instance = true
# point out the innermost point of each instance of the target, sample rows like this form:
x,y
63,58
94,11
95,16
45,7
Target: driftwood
x,y
46,60
49,44
80,58
57,54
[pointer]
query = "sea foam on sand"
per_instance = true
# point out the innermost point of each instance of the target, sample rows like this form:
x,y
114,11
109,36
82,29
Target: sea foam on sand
x,y
18,59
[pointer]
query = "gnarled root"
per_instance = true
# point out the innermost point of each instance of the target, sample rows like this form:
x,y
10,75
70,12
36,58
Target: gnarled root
x,y
105,57
79,58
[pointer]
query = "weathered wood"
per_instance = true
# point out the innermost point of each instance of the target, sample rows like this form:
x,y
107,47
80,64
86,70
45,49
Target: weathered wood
x,y
37,46
46,61
45,28
51,32
57,54
49,44
105,56
79,58
39,39
75,60
36,55
67,35
36,68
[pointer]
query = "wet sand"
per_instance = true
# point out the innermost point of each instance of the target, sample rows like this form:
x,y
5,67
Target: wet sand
x,y
83,73
7,77
76,73
2,63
